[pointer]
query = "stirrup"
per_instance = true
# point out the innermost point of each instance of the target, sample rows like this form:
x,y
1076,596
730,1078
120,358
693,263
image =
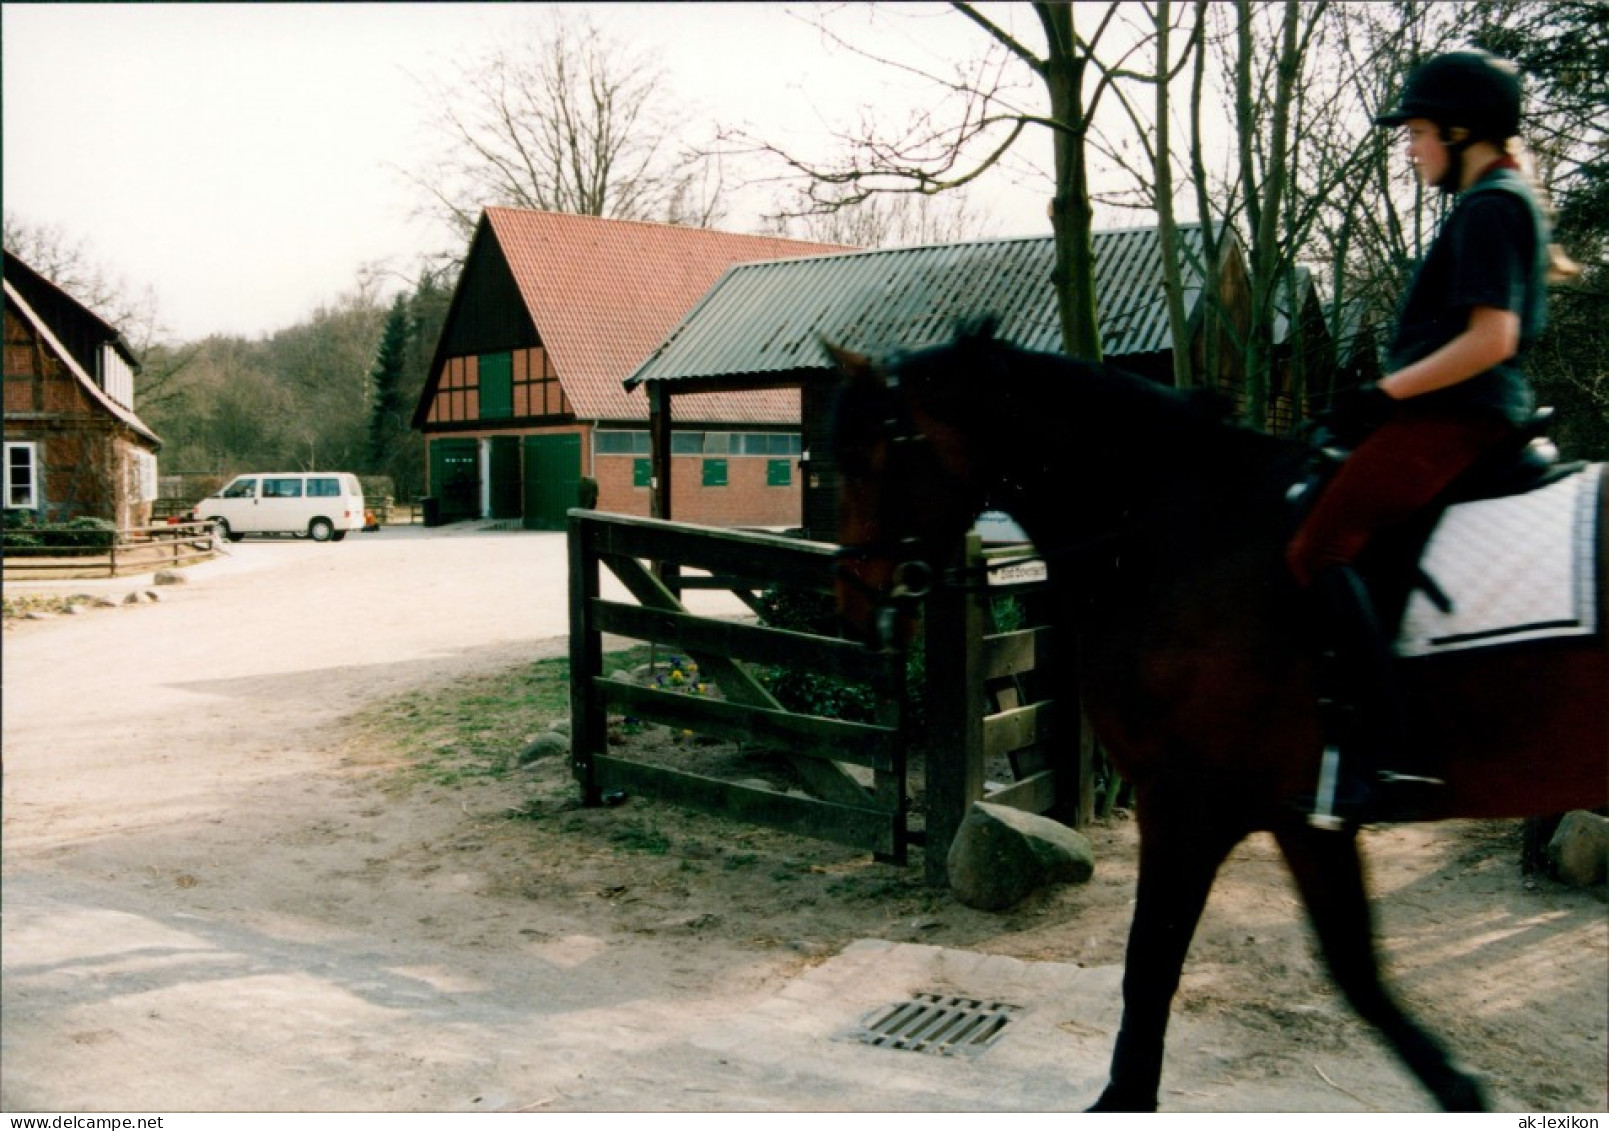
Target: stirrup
x,y
1323,814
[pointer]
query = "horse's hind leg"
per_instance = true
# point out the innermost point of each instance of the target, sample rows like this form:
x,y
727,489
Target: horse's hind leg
x,y
1180,851
1329,873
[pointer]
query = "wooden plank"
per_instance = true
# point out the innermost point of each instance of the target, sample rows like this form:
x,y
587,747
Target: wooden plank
x,y
953,624
1033,794
836,659
862,828
1014,729
1012,653
859,744
758,558
826,780
588,723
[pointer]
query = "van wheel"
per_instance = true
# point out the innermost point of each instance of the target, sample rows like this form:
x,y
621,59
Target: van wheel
x,y
321,529
338,536
223,530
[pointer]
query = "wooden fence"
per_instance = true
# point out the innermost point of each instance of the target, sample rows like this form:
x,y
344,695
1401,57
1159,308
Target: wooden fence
x,y
987,695
991,705
139,549
843,807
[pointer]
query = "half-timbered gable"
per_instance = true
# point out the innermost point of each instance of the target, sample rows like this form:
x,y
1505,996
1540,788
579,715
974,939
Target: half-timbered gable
x,y
525,398
74,445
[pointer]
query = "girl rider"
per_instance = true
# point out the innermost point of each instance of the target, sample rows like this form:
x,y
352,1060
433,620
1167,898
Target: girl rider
x,y
1454,391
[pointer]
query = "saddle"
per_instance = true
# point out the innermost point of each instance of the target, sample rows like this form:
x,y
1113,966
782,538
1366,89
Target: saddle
x,y
1392,569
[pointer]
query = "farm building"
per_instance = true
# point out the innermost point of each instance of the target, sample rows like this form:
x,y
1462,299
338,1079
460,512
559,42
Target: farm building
x,y
74,446
759,328
524,397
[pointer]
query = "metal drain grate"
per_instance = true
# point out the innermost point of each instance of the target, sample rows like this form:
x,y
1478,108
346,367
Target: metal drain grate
x,y
937,1023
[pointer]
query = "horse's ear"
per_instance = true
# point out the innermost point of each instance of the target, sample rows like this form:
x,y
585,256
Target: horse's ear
x,y
855,368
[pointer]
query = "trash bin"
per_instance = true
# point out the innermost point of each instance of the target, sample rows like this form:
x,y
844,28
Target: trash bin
x,y
430,507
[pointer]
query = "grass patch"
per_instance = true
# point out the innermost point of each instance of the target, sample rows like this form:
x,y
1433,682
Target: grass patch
x,y
475,727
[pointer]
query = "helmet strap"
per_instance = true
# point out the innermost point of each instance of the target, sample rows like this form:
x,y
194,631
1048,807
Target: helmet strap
x,y
1457,141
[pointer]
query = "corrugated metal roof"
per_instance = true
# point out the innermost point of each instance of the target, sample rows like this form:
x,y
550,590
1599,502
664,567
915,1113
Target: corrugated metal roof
x,y
764,320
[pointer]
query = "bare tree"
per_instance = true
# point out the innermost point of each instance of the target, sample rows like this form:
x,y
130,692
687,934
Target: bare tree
x,y
885,221
71,265
983,112
570,121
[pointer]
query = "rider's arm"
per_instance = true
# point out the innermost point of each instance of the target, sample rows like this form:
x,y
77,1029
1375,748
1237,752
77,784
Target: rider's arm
x,y
1491,338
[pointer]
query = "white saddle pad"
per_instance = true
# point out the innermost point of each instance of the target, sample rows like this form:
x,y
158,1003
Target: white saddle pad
x,y
1517,568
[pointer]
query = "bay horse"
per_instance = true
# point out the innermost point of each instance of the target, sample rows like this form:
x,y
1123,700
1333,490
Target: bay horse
x,y
1163,527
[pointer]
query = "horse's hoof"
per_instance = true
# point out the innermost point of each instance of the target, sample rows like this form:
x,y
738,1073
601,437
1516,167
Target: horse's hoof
x,y
1464,1093
1114,1100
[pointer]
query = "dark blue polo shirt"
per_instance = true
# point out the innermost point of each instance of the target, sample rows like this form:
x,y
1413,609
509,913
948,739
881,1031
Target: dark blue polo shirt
x,y
1492,250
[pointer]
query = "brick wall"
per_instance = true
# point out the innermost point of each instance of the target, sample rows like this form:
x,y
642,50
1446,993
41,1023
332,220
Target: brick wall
x,y
746,500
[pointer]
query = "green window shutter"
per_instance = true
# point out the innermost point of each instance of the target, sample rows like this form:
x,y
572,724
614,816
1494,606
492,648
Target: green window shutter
x,y
779,473
496,386
641,474
715,473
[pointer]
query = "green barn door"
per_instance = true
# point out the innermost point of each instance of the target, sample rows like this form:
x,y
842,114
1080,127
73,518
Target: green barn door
x,y
455,478
552,477
506,482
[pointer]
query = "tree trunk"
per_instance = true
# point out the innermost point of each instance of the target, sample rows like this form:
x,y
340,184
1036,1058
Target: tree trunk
x,y
1071,217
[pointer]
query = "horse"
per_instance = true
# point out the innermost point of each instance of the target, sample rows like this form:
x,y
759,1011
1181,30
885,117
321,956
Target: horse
x,y
1162,524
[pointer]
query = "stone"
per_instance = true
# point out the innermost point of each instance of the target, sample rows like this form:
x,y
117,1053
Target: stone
x,y
1001,855
105,603
153,596
548,744
133,598
171,577
1579,850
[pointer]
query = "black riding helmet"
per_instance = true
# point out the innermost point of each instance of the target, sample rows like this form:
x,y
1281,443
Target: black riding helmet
x,y
1469,90
1472,90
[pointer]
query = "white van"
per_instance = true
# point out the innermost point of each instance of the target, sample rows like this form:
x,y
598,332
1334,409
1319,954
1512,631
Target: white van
x,y
321,505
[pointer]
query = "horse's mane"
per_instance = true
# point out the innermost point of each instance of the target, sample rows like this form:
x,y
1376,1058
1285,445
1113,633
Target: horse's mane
x,y
1053,399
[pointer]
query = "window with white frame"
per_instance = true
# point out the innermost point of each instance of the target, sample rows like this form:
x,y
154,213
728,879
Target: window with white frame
x,y
22,475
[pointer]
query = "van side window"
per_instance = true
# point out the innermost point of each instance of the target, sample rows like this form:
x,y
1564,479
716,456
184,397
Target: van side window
x,y
282,488
324,488
240,489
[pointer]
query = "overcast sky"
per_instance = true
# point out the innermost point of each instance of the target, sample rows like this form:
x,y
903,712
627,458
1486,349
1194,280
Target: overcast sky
x,y
243,160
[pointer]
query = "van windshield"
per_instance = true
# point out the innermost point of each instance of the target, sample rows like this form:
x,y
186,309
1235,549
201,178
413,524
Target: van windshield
x,y
240,489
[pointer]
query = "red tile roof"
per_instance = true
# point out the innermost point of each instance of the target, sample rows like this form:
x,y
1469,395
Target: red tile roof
x,y
604,294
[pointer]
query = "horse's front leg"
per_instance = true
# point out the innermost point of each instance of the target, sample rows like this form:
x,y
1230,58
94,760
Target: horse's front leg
x,y
1184,837
1329,873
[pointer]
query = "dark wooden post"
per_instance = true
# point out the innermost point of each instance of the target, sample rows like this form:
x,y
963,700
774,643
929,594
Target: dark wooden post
x,y
587,722
659,450
659,463
952,630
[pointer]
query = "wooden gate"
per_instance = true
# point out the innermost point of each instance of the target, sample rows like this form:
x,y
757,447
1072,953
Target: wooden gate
x,y
991,706
867,811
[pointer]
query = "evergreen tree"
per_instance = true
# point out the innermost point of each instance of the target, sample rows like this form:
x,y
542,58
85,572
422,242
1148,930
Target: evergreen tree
x,y
388,420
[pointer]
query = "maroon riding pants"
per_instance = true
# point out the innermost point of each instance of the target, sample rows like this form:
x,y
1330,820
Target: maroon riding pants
x,y
1391,476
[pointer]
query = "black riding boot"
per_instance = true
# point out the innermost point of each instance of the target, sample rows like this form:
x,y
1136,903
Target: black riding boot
x,y
1361,711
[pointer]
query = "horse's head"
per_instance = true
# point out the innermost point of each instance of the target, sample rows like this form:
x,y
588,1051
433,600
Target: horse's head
x,y
911,482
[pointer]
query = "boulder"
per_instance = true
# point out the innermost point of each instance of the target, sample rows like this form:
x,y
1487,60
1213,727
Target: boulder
x,y
171,577
1001,855
549,744
1579,850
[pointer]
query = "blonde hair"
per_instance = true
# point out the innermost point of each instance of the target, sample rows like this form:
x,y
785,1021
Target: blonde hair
x,y
1561,268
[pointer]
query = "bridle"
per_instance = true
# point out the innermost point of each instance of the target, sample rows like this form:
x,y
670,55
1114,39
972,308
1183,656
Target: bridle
x,y
913,575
